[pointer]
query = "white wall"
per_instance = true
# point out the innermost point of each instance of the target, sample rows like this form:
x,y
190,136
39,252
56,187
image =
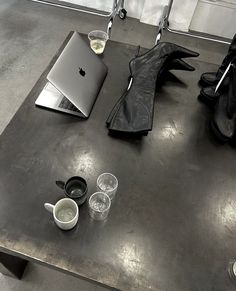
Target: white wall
x,y
182,13
217,18
134,8
180,16
152,11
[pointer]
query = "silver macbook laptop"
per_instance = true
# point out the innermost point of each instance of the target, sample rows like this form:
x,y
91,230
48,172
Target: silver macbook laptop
x,y
74,81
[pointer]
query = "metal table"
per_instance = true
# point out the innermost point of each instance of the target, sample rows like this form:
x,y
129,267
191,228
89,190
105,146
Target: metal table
x,y
172,225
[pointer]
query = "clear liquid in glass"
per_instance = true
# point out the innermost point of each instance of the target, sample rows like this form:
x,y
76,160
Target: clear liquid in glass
x,y
98,205
97,45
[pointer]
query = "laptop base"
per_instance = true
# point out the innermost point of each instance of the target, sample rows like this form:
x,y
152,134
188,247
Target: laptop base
x,y
51,98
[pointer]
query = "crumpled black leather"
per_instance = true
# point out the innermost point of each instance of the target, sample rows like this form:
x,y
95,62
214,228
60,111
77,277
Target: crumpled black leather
x,y
212,78
133,113
228,58
224,119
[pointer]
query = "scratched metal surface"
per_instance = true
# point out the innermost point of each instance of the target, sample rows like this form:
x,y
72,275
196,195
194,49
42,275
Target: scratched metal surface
x,y
172,225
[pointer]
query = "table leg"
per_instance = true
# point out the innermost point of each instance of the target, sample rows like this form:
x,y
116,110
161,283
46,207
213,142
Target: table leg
x,y
11,265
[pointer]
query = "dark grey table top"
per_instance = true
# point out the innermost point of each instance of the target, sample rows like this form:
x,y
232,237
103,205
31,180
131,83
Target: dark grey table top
x,y
172,225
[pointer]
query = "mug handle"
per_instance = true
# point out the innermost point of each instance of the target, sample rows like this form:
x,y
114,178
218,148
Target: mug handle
x,y
60,184
49,207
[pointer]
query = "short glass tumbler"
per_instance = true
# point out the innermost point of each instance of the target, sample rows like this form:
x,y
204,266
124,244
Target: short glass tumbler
x,y
98,39
108,184
99,205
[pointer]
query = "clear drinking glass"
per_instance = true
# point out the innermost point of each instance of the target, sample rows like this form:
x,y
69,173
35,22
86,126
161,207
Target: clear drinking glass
x,y
98,39
99,205
108,184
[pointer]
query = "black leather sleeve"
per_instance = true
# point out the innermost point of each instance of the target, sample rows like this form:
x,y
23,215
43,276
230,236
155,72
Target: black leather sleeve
x,y
133,113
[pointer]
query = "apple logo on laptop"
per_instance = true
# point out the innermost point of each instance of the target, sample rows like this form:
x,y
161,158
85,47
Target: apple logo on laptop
x,y
82,72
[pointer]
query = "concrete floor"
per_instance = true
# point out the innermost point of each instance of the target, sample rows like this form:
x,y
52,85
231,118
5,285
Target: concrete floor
x,y
30,35
38,278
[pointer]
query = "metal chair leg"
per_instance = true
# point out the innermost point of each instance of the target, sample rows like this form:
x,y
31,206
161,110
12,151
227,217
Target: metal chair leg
x,y
118,6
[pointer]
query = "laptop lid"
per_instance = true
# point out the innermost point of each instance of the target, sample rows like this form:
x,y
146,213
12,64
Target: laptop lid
x,y
78,74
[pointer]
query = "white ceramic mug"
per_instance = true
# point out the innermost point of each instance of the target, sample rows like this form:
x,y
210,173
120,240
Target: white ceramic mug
x,y
65,213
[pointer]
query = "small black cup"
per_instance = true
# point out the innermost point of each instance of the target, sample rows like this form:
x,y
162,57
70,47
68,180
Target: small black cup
x,y
75,188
